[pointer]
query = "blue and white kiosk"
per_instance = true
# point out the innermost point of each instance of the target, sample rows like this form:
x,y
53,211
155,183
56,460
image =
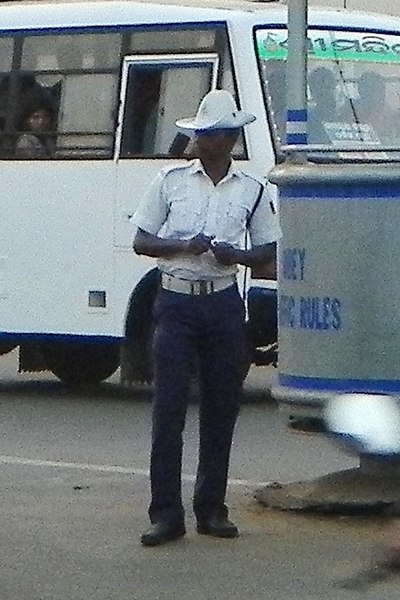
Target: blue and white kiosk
x,y
338,282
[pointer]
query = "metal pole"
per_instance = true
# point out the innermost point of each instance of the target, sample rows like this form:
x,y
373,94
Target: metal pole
x,y
296,125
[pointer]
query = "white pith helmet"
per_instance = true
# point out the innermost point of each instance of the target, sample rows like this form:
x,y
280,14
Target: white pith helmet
x,y
217,110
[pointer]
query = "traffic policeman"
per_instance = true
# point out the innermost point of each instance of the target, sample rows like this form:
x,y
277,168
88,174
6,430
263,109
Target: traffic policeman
x,y
194,221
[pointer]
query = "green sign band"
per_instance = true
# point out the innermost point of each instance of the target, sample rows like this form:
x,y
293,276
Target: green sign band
x,y
333,45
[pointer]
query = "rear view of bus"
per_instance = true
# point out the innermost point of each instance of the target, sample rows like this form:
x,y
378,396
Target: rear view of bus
x,y
89,94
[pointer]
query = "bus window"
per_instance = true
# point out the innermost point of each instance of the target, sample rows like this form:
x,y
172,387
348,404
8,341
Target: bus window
x,y
274,84
322,105
78,74
86,114
158,90
6,47
143,93
17,90
82,71
227,82
182,40
377,104
6,52
353,86
71,51
152,100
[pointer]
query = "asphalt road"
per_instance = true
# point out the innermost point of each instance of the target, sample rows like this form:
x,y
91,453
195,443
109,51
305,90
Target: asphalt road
x,y
74,494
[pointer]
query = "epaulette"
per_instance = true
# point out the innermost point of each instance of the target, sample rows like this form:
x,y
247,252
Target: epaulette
x,y
173,168
257,181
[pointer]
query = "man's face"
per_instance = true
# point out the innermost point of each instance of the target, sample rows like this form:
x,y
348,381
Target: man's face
x,y
216,144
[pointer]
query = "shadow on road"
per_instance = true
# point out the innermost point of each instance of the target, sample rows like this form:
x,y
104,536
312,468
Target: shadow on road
x,y
48,386
45,384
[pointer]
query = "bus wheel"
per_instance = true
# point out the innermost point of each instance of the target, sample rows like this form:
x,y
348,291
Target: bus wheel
x,y
77,364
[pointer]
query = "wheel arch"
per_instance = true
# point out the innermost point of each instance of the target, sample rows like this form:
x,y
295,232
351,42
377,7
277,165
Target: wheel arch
x,y
136,359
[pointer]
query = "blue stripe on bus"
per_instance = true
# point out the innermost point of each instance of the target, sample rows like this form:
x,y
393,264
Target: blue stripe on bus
x,y
181,25
115,28
340,385
174,24
297,115
326,190
58,337
296,138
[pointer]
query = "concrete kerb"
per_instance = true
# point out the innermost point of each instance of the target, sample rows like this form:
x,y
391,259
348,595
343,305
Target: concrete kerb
x,y
371,488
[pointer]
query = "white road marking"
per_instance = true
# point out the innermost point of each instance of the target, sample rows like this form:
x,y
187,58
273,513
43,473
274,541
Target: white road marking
x,y
59,464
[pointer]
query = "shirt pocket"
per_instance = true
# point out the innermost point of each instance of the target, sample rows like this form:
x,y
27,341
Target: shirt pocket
x,y
232,223
184,217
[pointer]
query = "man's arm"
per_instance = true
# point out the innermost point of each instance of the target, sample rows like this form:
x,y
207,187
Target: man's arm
x,y
152,245
255,257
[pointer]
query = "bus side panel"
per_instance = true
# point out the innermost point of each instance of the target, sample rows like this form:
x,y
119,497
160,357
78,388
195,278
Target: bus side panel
x,y
258,135
132,181
56,247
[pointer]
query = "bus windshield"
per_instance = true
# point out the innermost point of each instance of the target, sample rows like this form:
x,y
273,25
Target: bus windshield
x,y
353,86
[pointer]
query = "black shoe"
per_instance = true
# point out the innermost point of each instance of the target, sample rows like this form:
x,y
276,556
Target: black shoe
x,y
162,532
217,526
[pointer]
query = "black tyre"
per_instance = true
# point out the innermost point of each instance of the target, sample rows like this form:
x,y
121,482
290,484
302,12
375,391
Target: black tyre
x,y
78,364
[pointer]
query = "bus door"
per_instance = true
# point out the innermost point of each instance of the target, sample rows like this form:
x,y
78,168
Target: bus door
x,y
156,90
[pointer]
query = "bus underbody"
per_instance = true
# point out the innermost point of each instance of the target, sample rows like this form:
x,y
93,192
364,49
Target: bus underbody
x,y
80,360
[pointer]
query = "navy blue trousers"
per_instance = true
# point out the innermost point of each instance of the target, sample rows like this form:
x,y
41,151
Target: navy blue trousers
x,y
207,331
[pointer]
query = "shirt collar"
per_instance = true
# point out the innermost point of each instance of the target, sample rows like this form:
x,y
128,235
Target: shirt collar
x,y
197,167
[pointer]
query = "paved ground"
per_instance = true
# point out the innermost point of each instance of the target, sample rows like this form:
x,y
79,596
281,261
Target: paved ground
x,y
75,492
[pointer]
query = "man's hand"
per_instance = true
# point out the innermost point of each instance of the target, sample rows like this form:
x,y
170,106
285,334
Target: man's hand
x,y
225,254
152,245
198,245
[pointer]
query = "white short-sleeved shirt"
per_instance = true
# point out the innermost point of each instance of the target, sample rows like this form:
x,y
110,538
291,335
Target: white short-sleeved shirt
x,y
183,202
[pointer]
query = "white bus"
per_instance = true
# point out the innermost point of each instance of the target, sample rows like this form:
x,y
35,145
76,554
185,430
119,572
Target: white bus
x,y
117,74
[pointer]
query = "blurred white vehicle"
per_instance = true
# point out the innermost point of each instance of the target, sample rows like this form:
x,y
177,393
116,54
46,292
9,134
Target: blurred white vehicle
x,y
369,423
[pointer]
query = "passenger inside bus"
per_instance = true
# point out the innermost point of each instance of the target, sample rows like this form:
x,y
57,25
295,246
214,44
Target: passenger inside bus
x,y
37,139
372,109
19,94
14,91
323,106
141,113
